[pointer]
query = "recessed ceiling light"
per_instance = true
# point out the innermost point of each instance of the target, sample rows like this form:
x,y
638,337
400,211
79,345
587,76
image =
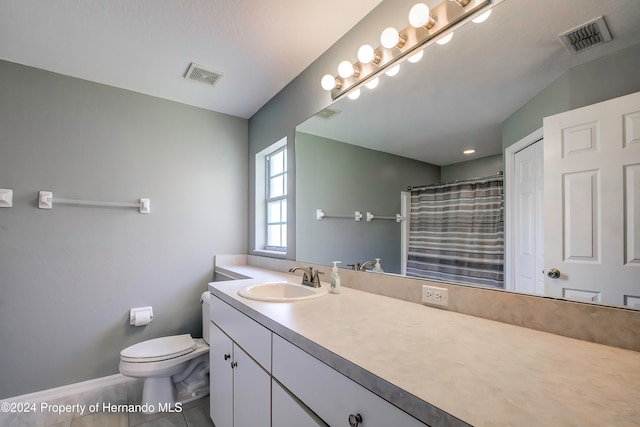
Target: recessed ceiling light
x,y
469,151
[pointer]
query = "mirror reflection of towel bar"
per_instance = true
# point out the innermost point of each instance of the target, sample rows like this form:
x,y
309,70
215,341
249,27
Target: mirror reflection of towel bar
x,y
320,215
46,201
397,218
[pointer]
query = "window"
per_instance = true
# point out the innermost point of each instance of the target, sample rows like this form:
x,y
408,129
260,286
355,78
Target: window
x,y
271,199
276,200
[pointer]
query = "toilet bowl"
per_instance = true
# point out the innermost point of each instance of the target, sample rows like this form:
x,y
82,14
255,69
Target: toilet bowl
x,y
174,368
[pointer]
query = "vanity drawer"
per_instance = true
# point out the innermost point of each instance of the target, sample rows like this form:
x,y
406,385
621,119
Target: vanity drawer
x,y
287,411
331,395
254,338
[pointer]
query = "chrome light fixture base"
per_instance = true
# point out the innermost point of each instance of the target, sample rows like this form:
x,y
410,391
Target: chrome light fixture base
x,y
444,16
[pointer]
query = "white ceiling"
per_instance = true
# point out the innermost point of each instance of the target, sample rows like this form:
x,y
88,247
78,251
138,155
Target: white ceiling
x,y
459,95
146,46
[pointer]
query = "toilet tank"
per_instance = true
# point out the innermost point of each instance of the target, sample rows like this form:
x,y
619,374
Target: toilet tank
x,y
206,315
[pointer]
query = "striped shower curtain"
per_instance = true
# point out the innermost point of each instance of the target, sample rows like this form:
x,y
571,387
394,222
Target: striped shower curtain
x,y
456,232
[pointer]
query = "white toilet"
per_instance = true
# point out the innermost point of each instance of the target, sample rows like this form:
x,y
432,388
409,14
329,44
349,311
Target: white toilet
x,y
175,368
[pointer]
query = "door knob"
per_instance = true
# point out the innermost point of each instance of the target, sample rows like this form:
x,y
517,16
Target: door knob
x,y
554,273
355,420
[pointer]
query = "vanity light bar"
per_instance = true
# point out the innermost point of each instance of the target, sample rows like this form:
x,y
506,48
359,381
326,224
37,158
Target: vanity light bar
x,y
445,15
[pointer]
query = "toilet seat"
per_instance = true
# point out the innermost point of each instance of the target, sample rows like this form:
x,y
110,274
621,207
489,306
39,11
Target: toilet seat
x,y
159,349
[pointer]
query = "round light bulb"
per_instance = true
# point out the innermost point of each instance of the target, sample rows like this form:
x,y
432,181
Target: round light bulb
x,y
345,69
328,82
416,57
372,84
354,95
366,54
419,15
481,18
390,37
393,70
446,39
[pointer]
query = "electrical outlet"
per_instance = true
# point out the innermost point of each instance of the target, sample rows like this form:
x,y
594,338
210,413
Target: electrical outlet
x,y
435,296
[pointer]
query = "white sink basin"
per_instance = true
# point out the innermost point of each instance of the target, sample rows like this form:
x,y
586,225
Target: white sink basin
x,y
281,292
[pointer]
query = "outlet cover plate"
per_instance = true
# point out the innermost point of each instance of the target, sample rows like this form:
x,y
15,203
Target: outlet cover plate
x,y
436,296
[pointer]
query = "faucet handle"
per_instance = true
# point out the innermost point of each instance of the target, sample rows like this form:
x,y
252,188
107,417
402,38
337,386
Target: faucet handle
x,y
309,275
315,278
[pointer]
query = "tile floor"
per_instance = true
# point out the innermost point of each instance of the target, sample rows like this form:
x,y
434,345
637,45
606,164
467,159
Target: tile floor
x,y
193,414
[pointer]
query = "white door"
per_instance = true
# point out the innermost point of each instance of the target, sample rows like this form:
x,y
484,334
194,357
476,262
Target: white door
x,y
528,240
592,202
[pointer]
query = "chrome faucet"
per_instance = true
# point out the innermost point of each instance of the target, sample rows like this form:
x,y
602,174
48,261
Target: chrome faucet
x,y
310,276
363,266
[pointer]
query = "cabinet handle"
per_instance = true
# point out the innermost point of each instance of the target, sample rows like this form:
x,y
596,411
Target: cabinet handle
x,y
227,356
234,364
355,420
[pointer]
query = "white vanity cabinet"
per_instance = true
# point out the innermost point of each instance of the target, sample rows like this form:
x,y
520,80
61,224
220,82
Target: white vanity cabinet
x,y
331,395
260,379
240,361
254,338
221,377
287,411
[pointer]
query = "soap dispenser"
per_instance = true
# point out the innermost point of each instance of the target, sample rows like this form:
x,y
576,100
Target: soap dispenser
x,y
335,278
378,268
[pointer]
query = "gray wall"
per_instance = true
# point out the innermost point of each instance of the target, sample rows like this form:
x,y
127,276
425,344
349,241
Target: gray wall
x,y
605,78
340,179
69,275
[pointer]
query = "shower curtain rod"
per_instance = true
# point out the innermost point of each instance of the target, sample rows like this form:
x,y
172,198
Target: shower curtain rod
x,y
478,178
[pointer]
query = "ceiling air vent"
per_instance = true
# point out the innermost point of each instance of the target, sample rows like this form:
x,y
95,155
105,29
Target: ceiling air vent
x,y
328,113
586,35
201,74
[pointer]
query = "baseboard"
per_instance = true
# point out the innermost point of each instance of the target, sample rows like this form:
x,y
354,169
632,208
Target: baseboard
x,y
71,389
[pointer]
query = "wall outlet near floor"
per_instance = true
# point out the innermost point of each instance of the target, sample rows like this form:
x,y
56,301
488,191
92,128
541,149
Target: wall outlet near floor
x,y
434,295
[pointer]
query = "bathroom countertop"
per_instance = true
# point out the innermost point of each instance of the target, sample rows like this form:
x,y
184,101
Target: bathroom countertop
x,y
447,368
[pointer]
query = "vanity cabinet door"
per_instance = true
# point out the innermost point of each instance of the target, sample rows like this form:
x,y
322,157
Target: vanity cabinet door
x,y
251,392
240,386
331,395
287,411
221,377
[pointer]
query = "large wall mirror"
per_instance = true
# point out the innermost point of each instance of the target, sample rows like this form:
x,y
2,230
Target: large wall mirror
x,y
486,90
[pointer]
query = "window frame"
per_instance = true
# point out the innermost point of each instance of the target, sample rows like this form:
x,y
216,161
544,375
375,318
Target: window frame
x,y
260,196
282,224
